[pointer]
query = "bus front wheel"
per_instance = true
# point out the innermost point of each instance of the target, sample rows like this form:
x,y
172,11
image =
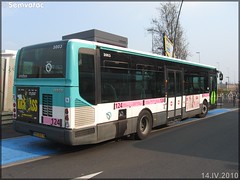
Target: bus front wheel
x,y
204,110
144,125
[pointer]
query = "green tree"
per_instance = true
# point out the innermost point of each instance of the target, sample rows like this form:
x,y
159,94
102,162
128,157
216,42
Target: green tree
x,y
166,23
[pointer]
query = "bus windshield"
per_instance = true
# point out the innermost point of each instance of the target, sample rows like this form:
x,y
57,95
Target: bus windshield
x,y
44,61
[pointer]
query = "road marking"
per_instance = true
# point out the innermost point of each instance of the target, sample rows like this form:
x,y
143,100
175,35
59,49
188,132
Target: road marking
x,y
89,176
23,148
24,161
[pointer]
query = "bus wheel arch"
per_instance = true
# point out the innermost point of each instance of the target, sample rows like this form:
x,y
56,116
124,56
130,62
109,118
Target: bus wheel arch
x,y
204,109
144,124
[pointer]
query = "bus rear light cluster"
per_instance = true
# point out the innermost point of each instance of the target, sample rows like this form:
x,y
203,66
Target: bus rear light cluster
x,y
14,110
66,114
66,117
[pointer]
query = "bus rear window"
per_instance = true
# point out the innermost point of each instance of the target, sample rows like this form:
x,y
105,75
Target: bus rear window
x,y
46,61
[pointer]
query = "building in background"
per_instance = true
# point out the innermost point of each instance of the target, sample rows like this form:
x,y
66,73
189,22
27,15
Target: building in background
x,y
99,36
6,77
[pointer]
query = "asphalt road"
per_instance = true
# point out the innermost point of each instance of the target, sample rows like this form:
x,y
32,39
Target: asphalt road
x,y
201,149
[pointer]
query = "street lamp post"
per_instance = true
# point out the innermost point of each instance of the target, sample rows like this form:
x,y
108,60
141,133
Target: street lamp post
x,y
175,33
198,56
218,65
151,30
228,82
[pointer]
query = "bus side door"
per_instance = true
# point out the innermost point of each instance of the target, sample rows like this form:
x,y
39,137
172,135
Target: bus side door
x,y
174,94
213,90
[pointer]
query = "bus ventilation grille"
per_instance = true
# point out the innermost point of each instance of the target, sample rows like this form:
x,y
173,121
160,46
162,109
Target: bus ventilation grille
x,y
47,105
84,114
84,132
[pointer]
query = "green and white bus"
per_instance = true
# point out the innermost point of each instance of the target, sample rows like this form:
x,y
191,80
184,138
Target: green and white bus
x,y
81,92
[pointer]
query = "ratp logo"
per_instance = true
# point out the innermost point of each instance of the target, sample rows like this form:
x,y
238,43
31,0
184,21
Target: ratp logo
x,y
17,5
109,115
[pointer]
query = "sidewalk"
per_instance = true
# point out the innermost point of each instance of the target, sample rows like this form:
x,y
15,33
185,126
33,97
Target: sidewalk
x,y
229,105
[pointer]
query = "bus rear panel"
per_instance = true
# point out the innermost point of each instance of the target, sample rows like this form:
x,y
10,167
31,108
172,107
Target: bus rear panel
x,y
46,96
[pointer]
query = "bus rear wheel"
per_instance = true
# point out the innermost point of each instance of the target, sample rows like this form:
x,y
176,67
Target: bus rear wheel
x,y
144,125
204,110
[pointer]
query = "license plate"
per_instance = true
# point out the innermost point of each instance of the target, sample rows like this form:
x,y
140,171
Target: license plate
x,y
40,135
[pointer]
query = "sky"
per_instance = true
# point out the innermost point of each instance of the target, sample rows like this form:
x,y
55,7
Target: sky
x,y
211,28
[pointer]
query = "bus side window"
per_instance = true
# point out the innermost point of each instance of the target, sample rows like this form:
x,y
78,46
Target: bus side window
x,y
136,89
108,93
160,83
171,87
87,77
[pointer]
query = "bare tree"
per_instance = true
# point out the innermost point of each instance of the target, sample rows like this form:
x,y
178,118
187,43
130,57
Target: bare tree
x,y
166,23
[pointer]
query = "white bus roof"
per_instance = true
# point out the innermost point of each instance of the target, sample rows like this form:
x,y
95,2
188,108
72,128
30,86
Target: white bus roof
x,y
136,52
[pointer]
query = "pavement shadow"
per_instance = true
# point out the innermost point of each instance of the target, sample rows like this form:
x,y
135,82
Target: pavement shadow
x,y
215,138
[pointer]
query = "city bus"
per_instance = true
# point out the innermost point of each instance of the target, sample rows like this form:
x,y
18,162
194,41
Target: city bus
x,y
79,92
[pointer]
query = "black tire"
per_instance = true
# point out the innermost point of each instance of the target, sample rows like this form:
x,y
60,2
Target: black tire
x,y
204,110
144,125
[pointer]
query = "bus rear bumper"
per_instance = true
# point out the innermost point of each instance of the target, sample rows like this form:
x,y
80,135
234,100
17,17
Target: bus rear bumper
x,y
63,136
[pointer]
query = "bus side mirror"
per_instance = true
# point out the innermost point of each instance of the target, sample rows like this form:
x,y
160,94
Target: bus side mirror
x,y
221,76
